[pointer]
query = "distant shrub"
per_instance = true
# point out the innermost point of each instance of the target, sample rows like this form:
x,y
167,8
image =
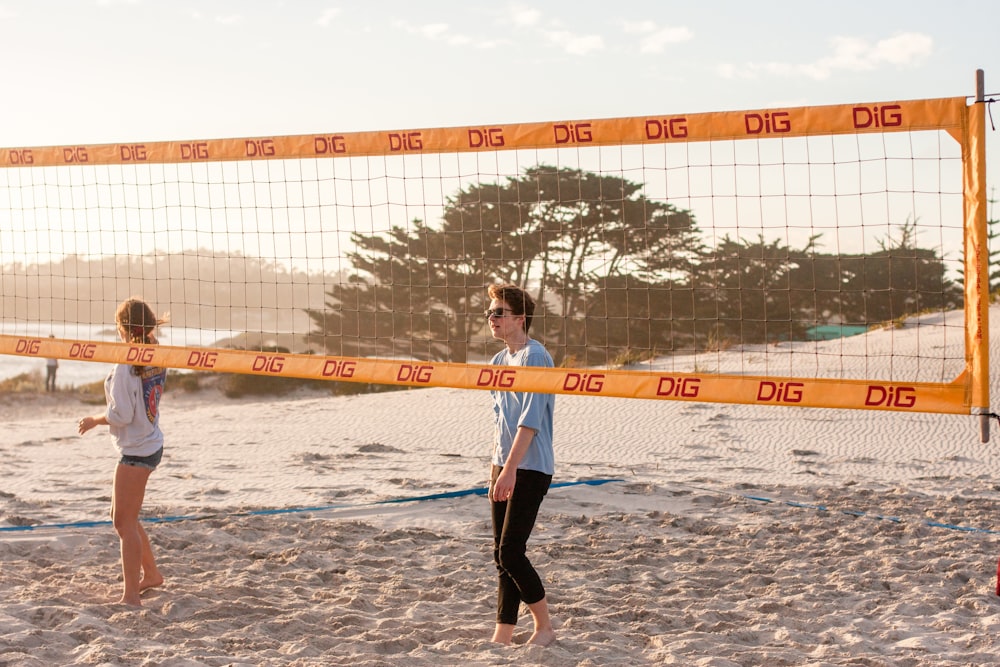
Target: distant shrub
x,y
569,361
190,382
91,394
631,357
25,382
237,385
357,388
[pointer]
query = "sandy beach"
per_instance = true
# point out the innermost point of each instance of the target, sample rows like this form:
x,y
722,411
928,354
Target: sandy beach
x,y
313,530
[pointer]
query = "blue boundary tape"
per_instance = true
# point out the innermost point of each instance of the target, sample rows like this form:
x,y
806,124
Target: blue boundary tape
x,y
478,491
481,491
867,515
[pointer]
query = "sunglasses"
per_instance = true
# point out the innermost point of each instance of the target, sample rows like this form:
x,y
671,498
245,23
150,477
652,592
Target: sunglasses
x,y
495,312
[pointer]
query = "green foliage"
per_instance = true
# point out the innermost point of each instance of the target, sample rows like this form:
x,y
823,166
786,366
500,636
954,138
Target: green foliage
x,y
33,382
596,250
569,361
25,382
238,385
992,232
631,357
186,381
91,395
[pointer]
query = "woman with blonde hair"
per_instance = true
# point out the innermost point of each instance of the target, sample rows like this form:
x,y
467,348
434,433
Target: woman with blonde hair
x,y
133,417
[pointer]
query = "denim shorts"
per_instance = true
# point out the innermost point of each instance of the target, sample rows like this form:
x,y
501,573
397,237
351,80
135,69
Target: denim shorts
x,y
149,462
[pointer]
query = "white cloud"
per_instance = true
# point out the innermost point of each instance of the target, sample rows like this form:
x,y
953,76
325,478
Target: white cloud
x,y
658,40
638,27
327,17
231,19
577,45
520,16
442,32
525,16
905,49
432,30
727,71
849,53
852,54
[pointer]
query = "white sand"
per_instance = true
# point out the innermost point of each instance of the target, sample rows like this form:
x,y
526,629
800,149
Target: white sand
x,y
738,535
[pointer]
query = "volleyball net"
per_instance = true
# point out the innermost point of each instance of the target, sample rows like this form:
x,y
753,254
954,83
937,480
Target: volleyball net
x,y
829,256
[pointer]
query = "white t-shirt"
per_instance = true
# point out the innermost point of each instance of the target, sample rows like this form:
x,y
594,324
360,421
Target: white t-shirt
x,y
134,409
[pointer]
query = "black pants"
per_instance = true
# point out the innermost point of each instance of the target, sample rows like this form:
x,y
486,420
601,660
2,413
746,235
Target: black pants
x,y
513,521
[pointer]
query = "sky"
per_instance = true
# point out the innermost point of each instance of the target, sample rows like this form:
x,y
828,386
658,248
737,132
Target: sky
x,y
109,71
124,71
104,71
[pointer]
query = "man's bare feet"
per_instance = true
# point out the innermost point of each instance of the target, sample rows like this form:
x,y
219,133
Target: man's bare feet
x,y
543,634
503,634
542,637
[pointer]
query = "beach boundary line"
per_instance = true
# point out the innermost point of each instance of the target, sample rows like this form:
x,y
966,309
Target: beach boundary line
x,y
481,491
849,512
477,491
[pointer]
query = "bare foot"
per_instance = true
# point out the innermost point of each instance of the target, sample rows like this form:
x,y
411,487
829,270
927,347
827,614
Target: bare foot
x,y
131,601
150,582
503,634
542,637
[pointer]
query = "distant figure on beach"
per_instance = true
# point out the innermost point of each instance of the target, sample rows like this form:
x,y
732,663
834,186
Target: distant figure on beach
x,y
133,415
523,463
51,365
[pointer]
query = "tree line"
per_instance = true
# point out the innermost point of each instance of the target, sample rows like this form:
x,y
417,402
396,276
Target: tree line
x,y
201,289
616,274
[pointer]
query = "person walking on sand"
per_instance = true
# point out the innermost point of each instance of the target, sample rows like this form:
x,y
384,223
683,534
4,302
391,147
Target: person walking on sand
x,y
133,417
523,463
51,366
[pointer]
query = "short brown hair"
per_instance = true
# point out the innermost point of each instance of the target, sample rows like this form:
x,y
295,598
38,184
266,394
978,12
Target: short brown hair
x,y
520,302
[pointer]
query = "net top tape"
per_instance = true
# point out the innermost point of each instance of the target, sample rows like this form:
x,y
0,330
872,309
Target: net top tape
x,y
905,116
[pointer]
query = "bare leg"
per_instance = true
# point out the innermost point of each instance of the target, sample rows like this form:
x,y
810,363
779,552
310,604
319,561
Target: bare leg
x,y
126,501
503,634
151,577
543,634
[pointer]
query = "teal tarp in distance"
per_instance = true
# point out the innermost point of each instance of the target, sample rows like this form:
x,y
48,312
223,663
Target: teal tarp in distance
x,y
831,331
